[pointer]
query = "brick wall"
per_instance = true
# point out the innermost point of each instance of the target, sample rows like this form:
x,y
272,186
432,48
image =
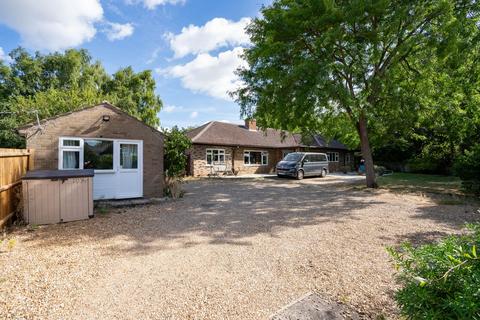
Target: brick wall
x,y
88,123
198,160
233,158
242,168
199,167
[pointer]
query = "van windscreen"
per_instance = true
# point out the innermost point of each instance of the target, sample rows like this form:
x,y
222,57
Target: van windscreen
x,y
293,157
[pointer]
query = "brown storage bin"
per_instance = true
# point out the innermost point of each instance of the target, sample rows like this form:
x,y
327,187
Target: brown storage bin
x,y
52,196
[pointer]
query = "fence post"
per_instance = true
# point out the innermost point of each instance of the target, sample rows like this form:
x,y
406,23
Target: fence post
x,y
31,159
13,167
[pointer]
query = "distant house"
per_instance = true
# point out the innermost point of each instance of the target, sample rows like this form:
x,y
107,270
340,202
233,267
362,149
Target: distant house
x,y
219,146
126,154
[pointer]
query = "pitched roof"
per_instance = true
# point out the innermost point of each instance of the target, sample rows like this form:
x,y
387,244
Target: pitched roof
x,y
104,104
227,134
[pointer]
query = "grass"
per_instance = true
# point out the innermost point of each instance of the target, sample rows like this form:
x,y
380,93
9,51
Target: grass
x,y
102,210
421,183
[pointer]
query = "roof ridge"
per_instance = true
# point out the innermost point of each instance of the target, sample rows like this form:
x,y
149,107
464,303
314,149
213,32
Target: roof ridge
x,y
104,104
209,124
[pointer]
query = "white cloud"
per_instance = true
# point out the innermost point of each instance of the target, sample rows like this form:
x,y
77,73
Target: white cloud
x,y
213,75
154,56
54,24
216,33
4,57
194,114
118,31
170,109
152,4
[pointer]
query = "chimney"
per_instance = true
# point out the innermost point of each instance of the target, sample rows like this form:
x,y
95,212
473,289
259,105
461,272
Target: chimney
x,y
251,124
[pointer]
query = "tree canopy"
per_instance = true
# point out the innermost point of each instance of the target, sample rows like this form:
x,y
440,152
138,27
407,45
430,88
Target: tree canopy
x,y
55,83
373,66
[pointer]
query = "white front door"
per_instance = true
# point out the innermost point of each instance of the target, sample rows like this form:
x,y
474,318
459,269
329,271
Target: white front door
x,y
129,163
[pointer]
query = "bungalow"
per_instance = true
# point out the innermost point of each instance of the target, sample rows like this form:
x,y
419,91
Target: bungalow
x,y
126,154
242,149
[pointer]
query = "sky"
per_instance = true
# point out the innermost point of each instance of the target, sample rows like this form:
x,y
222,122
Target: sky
x,y
192,46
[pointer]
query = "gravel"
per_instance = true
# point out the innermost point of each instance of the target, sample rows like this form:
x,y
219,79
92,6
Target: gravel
x,y
236,249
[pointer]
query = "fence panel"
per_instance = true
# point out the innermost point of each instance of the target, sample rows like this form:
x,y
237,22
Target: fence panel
x,y
14,163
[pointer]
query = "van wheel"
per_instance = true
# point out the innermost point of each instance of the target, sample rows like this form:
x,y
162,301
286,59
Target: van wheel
x,y
299,174
324,173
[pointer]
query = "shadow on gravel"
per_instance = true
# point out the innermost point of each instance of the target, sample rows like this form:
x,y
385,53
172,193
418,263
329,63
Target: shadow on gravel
x,y
219,213
455,217
446,214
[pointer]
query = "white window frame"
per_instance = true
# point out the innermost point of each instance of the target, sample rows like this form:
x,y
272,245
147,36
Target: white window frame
x,y
81,149
263,156
221,152
62,148
333,156
114,169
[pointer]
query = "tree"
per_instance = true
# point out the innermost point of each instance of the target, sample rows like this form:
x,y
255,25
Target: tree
x,y
175,159
176,146
311,60
56,83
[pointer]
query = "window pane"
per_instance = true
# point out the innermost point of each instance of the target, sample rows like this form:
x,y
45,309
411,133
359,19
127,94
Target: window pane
x,y
128,156
255,158
264,158
71,160
209,158
98,154
71,143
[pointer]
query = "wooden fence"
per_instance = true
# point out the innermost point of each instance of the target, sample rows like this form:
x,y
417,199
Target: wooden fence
x,y
14,163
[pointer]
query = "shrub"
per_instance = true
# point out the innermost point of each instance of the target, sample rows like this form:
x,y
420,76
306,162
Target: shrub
x,y
345,169
379,170
424,165
176,145
467,168
440,280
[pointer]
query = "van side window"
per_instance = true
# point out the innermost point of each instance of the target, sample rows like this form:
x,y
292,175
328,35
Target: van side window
x,y
308,158
323,157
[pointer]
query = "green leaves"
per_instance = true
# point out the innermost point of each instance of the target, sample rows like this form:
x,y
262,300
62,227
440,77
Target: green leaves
x,y
61,82
467,167
411,67
176,145
440,280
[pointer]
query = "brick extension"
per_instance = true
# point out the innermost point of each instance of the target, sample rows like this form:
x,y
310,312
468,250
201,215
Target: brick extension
x,y
88,123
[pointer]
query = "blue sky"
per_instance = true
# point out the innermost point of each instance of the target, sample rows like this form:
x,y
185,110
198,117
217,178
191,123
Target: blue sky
x,y
192,45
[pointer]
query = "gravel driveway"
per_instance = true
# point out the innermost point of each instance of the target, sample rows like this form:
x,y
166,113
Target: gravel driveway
x,y
231,249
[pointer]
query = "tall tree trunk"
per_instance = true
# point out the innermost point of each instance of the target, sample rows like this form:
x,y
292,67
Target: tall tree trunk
x,y
366,151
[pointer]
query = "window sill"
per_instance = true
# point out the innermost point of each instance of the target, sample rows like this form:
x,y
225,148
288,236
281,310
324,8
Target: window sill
x,y
216,164
103,171
255,165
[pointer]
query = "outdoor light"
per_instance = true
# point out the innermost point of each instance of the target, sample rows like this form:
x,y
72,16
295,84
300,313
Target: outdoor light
x,y
106,118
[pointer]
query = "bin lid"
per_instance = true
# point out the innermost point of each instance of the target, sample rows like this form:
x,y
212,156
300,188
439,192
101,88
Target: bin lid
x,y
58,174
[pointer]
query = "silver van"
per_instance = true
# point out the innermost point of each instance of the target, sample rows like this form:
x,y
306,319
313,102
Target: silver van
x,y
303,164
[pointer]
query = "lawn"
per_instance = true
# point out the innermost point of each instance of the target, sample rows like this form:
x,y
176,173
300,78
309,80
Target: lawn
x,y
421,183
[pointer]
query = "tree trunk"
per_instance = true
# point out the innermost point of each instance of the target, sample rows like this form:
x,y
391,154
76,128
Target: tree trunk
x,y
366,151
